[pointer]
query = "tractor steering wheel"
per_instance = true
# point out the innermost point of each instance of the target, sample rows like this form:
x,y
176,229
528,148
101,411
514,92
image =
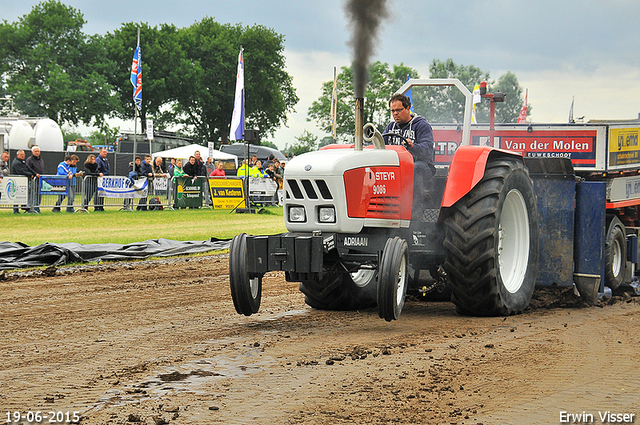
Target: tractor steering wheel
x,y
405,143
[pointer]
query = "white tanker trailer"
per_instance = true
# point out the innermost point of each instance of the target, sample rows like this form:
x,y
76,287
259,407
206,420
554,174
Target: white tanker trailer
x,y
23,133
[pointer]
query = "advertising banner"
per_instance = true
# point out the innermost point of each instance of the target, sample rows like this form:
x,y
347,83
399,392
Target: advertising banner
x,y
160,184
262,187
227,194
122,187
576,142
54,185
14,190
623,146
188,192
578,146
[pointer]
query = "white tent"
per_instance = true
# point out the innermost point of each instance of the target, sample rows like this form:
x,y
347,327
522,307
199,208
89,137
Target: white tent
x,y
184,152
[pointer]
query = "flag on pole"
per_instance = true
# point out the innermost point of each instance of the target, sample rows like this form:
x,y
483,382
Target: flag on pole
x,y
476,99
334,104
523,112
136,77
408,94
237,119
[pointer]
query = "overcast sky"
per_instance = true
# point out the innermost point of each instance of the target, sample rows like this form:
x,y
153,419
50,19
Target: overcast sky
x,y
557,49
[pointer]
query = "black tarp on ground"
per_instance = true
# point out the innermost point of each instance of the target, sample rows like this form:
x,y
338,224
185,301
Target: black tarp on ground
x,y
16,255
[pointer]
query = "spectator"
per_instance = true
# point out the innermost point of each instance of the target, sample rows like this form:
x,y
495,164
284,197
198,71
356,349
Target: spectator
x,y
177,169
19,167
209,166
36,163
68,168
244,169
134,174
158,173
104,169
202,172
157,168
269,161
4,166
254,159
191,168
218,171
270,173
146,170
135,170
199,164
256,170
280,171
146,167
5,169
178,172
90,186
276,169
171,166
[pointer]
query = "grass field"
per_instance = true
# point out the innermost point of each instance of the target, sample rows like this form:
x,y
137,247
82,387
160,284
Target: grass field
x,y
126,227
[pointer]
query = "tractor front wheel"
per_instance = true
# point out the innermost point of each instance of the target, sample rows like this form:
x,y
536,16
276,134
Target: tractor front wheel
x,y
393,277
246,289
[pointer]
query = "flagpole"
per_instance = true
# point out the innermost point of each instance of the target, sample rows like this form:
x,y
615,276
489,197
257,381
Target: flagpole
x,y
247,200
243,90
237,130
334,105
135,117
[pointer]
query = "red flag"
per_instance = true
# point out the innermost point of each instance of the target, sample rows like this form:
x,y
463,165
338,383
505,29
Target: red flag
x,y
523,112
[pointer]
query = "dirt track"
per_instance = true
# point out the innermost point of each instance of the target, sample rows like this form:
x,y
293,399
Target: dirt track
x,y
160,343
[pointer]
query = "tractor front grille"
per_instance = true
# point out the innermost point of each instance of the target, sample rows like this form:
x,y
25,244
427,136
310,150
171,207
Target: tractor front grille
x,y
308,189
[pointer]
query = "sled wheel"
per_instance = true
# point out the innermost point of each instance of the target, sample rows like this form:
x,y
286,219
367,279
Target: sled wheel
x,y
246,290
492,242
392,279
341,291
615,254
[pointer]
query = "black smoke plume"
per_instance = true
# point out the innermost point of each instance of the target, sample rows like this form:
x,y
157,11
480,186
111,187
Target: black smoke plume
x,y
365,17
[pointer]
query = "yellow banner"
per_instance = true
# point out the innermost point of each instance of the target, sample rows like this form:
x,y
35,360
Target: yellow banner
x,y
227,194
624,139
623,146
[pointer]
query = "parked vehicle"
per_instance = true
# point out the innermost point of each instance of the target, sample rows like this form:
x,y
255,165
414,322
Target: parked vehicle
x,y
79,145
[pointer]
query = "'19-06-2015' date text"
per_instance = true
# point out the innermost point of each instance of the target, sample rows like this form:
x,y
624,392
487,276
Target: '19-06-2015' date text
x,y
37,417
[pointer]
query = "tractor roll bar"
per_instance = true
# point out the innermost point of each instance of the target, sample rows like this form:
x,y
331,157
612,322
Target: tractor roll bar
x,y
468,105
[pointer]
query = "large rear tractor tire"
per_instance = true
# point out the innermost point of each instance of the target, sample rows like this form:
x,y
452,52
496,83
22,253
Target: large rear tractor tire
x,y
246,289
341,291
615,254
393,279
492,242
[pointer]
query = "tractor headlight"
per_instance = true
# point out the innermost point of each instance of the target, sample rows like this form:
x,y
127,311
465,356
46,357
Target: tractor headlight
x,y
327,215
296,214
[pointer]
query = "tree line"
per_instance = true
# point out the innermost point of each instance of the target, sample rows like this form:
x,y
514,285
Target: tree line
x,y
436,104
51,68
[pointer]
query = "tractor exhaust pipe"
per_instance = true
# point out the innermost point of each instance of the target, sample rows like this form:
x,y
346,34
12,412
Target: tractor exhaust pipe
x,y
359,123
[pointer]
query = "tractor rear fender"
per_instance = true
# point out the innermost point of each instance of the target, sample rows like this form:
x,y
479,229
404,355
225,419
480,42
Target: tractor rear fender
x,y
467,169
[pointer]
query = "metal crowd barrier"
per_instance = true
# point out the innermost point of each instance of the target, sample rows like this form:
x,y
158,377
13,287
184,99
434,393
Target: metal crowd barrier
x,y
56,193
159,195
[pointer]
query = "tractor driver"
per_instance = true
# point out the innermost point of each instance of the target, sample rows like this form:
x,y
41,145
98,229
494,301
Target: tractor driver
x,y
418,140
